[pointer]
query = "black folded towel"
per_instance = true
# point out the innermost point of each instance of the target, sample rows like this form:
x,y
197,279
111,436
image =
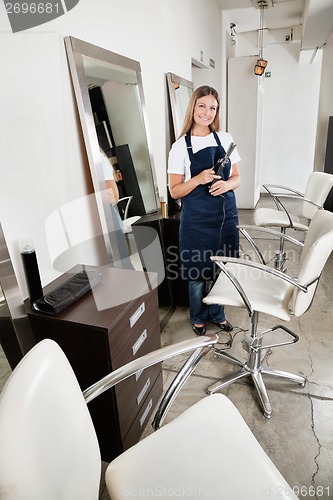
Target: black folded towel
x,y
67,293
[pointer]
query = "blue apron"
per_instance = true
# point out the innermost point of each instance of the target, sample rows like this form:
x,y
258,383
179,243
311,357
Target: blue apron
x,y
208,223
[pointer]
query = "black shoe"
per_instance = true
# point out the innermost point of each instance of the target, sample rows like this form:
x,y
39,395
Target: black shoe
x,y
225,327
199,330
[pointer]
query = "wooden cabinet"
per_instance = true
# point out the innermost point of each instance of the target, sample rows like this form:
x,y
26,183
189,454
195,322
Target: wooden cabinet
x,y
111,325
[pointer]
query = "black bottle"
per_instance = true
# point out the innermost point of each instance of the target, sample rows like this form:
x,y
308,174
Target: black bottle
x,y
31,271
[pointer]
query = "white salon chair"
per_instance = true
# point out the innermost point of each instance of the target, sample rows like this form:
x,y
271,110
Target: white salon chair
x,y
49,450
317,189
123,207
261,289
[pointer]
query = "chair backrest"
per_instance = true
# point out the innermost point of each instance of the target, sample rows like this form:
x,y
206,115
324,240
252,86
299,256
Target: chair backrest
x,y
318,246
317,189
48,448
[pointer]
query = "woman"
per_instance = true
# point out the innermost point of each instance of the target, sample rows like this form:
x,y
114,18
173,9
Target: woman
x,y
110,183
209,214
112,192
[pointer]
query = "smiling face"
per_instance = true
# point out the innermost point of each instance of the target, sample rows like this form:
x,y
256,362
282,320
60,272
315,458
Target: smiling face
x,y
204,113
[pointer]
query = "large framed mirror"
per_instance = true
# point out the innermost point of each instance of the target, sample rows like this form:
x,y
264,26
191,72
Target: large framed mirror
x,y
180,91
110,99
109,94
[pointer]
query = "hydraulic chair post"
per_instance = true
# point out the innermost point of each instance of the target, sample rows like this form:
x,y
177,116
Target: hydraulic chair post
x,y
280,255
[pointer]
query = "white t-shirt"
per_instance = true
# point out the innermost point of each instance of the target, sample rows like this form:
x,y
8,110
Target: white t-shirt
x,y
179,160
107,168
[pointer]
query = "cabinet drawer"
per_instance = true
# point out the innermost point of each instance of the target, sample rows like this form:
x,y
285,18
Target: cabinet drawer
x,y
131,395
144,415
126,390
140,316
144,339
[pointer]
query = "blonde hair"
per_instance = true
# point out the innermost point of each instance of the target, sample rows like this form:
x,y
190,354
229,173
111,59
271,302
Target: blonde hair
x,y
202,91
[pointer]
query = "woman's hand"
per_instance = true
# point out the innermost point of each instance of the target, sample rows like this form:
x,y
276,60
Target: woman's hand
x,y
219,187
207,176
178,188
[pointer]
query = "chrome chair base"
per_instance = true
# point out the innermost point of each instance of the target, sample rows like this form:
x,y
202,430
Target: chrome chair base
x,y
254,368
280,259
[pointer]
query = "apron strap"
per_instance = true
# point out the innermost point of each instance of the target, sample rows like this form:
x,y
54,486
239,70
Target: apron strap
x,y
221,148
189,144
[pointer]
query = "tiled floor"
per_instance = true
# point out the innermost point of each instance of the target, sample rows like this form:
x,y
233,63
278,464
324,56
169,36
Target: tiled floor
x,y
299,436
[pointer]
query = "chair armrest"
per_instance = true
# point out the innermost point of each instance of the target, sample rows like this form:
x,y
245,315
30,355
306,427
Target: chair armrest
x,y
267,230
292,194
220,261
200,345
285,188
273,232
297,197
126,209
279,205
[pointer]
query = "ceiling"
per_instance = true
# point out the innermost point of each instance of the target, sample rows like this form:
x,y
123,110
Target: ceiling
x,y
314,16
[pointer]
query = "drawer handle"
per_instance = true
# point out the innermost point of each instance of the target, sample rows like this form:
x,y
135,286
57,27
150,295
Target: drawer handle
x,y
138,313
146,412
137,375
143,391
139,342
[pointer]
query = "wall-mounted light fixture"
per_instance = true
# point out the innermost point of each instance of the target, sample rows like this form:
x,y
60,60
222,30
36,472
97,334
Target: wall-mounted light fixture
x,y
259,68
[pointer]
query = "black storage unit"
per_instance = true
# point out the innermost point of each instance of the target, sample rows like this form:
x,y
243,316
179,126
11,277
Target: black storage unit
x,y
130,183
173,290
8,338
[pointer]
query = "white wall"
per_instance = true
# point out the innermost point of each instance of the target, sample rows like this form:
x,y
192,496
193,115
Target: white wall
x,y
290,118
291,99
295,91
43,163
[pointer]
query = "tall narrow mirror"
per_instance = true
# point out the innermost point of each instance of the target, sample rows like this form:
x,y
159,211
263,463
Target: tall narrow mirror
x,y
110,100
109,94
180,91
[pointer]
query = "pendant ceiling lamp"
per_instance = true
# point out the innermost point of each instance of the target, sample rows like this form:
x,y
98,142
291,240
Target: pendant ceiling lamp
x,y
259,68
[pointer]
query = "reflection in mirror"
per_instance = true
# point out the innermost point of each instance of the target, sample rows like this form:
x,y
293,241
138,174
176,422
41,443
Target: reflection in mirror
x,y
180,91
109,95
